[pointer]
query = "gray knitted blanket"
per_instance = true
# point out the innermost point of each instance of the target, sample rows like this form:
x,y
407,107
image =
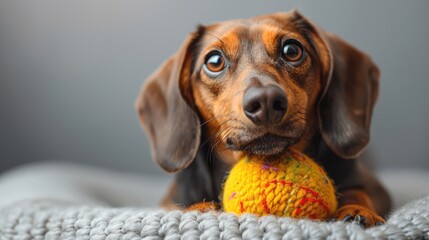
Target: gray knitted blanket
x,y
53,220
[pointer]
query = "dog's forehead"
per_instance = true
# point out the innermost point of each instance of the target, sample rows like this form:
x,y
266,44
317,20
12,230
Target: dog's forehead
x,y
258,32
253,26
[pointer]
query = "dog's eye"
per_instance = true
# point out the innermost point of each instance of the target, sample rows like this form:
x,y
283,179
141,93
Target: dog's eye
x,y
215,62
292,51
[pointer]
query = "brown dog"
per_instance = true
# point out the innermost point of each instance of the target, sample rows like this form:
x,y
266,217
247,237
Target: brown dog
x,y
257,87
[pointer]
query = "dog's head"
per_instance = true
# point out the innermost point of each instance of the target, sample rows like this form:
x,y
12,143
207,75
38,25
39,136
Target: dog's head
x,y
259,86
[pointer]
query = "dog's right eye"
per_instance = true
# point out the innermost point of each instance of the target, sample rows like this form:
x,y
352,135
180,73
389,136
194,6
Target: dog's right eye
x,y
292,51
214,63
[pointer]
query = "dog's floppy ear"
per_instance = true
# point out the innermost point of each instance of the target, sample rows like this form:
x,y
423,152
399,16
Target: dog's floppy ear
x,y
345,108
350,88
171,125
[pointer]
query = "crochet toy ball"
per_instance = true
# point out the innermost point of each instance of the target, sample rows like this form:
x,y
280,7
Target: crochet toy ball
x,y
291,187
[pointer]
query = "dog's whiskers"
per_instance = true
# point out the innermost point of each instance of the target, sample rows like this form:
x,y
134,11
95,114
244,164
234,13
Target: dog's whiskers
x,y
217,140
216,117
216,135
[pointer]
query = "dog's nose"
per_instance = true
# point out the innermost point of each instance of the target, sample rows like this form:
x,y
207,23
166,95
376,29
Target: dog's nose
x,y
265,105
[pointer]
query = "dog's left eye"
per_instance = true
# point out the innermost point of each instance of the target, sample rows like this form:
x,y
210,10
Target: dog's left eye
x,y
292,51
214,63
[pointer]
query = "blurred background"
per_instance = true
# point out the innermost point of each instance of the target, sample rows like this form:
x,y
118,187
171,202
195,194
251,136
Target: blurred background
x,y
71,70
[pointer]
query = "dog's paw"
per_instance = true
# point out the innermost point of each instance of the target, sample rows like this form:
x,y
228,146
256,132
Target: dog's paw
x,y
359,215
204,207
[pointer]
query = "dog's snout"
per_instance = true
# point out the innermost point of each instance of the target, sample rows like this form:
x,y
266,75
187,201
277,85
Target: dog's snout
x,y
265,105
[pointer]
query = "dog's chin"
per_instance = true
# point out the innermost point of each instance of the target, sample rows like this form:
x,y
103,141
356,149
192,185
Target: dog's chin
x,y
266,146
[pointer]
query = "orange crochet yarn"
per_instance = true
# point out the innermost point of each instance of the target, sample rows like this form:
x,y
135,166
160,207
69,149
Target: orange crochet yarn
x,y
292,187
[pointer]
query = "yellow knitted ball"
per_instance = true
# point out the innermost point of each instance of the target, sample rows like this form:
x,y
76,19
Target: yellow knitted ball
x,y
292,187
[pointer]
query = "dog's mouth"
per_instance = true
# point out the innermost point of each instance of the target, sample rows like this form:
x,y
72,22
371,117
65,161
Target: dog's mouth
x,y
265,145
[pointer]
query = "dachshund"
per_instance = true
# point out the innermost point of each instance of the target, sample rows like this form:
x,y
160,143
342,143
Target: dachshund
x,y
259,86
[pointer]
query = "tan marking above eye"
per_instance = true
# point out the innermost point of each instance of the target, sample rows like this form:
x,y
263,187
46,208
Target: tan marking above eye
x,y
231,44
269,37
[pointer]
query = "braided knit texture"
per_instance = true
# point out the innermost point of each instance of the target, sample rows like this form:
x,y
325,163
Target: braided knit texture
x,y
52,220
294,186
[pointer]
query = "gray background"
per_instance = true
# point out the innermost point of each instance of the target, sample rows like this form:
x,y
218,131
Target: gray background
x,y
71,70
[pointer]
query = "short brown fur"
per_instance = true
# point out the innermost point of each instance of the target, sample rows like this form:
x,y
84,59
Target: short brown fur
x,y
198,128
